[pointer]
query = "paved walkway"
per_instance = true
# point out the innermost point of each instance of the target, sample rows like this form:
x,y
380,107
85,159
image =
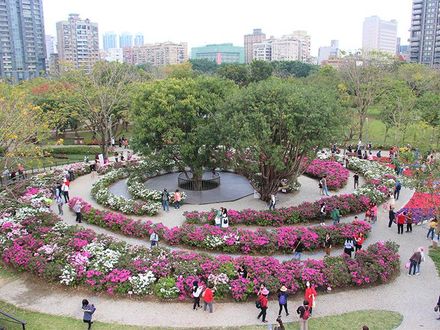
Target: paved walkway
x,y
414,297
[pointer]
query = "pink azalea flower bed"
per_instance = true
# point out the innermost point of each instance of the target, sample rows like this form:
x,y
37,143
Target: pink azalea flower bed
x,y
337,175
39,243
230,240
305,212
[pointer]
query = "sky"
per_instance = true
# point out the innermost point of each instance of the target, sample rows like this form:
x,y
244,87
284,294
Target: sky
x,y
201,22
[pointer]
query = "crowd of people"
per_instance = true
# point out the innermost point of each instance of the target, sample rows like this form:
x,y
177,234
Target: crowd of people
x,y
14,174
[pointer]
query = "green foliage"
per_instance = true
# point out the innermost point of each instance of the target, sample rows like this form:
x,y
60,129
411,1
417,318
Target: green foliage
x,y
260,70
73,150
166,288
203,66
179,119
238,73
434,253
275,123
293,69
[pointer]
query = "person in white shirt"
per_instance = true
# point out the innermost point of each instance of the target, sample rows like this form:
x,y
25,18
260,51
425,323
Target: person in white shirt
x,y
196,292
273,201
154,239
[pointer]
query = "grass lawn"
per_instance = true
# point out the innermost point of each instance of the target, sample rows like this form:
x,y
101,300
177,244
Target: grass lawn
x,y
380,320
434,253
33,163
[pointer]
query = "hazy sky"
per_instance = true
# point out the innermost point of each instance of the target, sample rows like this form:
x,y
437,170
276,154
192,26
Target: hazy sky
x,y
200,22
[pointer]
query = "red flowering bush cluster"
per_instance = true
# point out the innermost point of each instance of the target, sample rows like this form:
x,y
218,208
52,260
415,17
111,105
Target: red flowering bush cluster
x,y
303,213
336,174
422,206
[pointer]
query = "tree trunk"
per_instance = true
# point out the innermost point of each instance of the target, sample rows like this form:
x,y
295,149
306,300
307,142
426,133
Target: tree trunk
x,y
197,175
361,126
386,134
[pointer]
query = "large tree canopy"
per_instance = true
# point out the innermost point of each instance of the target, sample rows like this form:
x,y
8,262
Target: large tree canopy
x,y
179,119
275,124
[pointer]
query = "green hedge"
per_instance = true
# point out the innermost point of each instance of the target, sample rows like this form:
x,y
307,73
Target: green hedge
x,y
74,150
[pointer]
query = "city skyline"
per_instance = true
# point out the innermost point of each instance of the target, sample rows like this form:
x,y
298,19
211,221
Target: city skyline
x,y
180,22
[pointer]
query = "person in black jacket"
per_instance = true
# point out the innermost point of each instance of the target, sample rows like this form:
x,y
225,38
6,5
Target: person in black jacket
x,y
391,216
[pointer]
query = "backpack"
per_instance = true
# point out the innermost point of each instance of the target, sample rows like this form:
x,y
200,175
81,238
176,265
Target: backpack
x,y
306,313
282,300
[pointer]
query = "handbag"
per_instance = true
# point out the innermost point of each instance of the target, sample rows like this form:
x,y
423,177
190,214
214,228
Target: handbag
x,y
436,308
407,265
258,304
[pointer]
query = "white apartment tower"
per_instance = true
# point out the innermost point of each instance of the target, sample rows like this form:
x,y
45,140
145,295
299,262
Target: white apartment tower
x,y
78,43
379,35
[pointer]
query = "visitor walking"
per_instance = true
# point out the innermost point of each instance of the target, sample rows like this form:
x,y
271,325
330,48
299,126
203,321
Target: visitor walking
x,y
242,272
282,300
324,185
373,212
322,211
165,197
336,215
20,170
298,249
88,310
409,222
218,217
310,295
196,292
304,314
65,190
263,303
6,175
273,202
321,191
280,325
208,298
154,239
397,189
356,180
177,199
401,219
225,218
391,215
359,240
432,226
422,258
60,203
415,259
77,209
349,246
437,307
328,243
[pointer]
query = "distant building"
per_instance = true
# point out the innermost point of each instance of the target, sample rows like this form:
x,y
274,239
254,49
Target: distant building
x,y
262,51
379,35
291,47
23,50
50,45
54,64
160,54
138,40
125,40
424,33
109,41
249,40
219,53
113,55
329,52
78,43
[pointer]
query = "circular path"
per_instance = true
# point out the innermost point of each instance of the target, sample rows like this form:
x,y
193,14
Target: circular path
x,y
414,297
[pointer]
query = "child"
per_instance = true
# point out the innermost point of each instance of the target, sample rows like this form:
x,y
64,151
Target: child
x,y
88,312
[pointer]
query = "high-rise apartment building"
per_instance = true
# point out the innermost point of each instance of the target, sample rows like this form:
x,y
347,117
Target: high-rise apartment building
x,y
425,33
328,52
219,53
23,51
379,35
157,54
249,40
262,51
50,45
125,40
138,40
78,43
109,41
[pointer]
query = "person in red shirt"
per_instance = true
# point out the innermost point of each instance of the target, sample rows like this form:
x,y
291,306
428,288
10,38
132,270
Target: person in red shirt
x,y
359,240
310,296
262,299
208,298
401,219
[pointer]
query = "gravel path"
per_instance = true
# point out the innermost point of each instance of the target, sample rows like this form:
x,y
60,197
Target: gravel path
x,y
414,297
